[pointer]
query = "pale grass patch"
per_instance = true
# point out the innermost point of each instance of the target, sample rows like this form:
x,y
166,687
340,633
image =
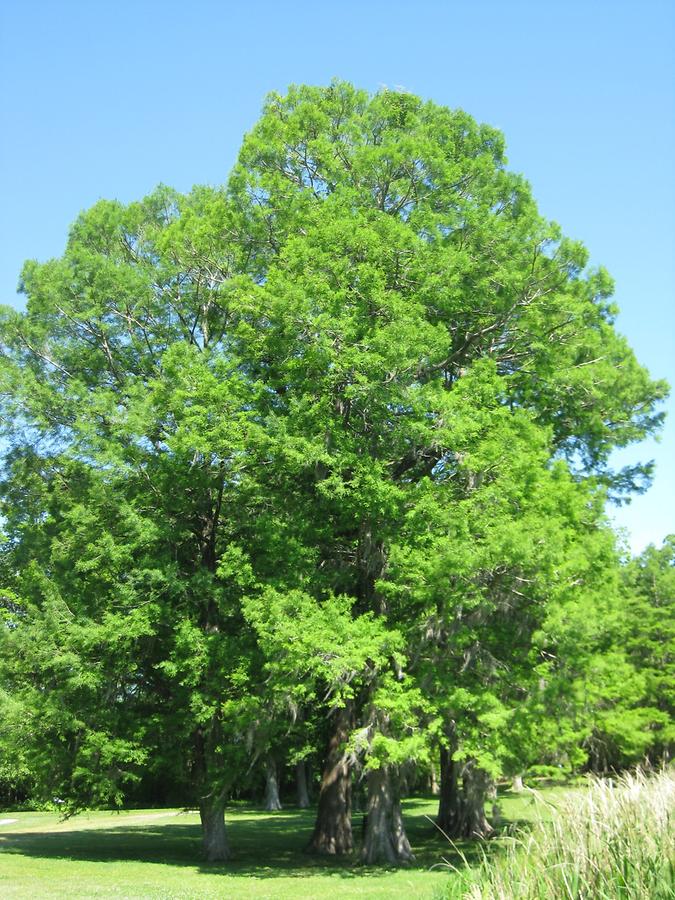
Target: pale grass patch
x,y
613,840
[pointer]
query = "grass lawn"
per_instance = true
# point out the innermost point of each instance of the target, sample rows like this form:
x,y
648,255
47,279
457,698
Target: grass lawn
x,y
156,854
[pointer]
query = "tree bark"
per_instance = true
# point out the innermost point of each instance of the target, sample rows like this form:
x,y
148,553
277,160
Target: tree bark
x,y
476,785
301,783
333,828
385,840
461,811
214,839
272,802
434,783
517,785
450,801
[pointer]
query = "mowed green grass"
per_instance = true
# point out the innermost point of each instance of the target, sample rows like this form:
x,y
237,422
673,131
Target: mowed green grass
x,y
156,854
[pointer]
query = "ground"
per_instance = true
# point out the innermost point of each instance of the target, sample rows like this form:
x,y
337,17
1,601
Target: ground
x,y
155,854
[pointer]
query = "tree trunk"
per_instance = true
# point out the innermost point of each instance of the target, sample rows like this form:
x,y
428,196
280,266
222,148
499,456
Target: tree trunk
x,y
385,840
272,802
461,812
333,827
214,839
450,801
476,785
301,782
434,784
517,785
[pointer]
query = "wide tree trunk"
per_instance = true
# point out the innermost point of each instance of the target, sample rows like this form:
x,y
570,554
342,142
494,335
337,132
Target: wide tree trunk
x,y
385,840
333,828
301,784
461,811
450,800
476,786
272,803
517,785
214,839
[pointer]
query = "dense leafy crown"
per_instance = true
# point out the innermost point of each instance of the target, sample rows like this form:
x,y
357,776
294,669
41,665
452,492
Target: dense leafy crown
x,y
282,442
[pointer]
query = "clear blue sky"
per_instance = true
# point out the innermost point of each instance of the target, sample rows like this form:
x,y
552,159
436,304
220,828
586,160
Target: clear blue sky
x,y
106,98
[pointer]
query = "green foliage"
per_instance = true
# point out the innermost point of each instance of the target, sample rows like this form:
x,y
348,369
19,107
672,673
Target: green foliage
x,y
607,678
650,633
319,649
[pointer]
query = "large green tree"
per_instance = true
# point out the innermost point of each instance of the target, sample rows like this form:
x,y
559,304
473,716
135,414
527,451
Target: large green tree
x,y
128,496
233,413
419,297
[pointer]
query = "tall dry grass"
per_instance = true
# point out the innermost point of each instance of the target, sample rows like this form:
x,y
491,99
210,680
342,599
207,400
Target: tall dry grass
x,y
608,841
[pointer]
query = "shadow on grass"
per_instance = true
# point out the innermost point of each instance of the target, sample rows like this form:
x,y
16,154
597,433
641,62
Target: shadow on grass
x,y
263,845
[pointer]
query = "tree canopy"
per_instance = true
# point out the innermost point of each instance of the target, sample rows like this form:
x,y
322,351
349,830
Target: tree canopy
x,y
330,443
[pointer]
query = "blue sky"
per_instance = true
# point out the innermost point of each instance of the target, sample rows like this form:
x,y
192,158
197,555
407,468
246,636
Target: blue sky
x,y
108,98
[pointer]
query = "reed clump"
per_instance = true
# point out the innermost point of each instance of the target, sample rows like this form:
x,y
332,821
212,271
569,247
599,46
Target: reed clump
x,y
612,840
